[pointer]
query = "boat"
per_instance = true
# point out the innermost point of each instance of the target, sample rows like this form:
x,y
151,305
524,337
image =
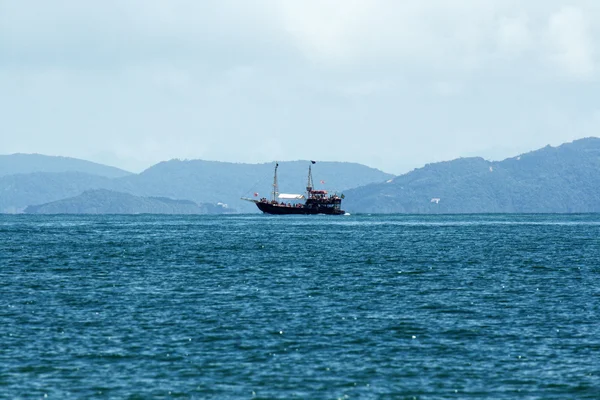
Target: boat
x,y
316,201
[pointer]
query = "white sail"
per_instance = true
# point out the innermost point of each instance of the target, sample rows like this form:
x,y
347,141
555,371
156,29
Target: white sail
x,y
286,196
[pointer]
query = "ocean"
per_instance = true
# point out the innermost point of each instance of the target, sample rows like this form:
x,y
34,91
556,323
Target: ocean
x,y
310,307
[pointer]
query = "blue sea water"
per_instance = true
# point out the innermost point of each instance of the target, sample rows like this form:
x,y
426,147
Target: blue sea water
x,y
312,307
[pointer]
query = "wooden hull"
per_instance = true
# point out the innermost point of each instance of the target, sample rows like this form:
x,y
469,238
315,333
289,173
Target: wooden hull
x,y
283,210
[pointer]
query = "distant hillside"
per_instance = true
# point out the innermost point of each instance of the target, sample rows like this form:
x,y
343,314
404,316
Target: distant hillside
x,y
103,201
197,180
563,179
211,181
21,190
30,163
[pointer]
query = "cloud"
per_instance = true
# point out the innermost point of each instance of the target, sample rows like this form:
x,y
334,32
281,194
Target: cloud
x,y
441,36
363,31
436,35
570,41
118,33
514,34
391,83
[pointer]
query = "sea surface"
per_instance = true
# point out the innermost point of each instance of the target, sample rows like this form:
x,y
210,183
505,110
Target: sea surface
x,y
310,307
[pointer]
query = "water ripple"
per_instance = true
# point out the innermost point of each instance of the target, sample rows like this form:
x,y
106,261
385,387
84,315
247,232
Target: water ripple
x,y
251,306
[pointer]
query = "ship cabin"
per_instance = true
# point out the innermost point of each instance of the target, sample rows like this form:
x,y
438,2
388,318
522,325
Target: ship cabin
x,y
318,194
319,199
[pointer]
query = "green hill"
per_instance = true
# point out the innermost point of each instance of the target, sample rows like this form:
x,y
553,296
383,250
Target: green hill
x,y
103,201
563,179
21,190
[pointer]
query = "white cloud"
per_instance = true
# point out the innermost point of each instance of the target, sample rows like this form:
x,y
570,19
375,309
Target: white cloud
x,y
514,34
570,41
368,31
391,83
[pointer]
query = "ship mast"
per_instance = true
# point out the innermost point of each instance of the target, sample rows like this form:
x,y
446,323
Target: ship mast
x,y
309,183
275,191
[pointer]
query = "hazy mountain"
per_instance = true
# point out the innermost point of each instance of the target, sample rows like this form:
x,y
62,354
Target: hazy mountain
x,y
29,163
101,201
552,180
211,181
561,179
21,190
197,180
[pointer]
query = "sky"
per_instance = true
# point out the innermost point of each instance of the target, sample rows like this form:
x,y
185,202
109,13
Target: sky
x,y
388,83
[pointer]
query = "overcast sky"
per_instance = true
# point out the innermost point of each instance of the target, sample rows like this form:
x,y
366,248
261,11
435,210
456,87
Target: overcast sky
x,y
391,84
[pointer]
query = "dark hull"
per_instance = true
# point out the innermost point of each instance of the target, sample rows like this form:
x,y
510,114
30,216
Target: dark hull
x,y
282,210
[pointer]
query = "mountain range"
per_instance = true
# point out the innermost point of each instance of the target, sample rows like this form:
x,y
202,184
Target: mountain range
x,y
203,182
30,163
563,179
